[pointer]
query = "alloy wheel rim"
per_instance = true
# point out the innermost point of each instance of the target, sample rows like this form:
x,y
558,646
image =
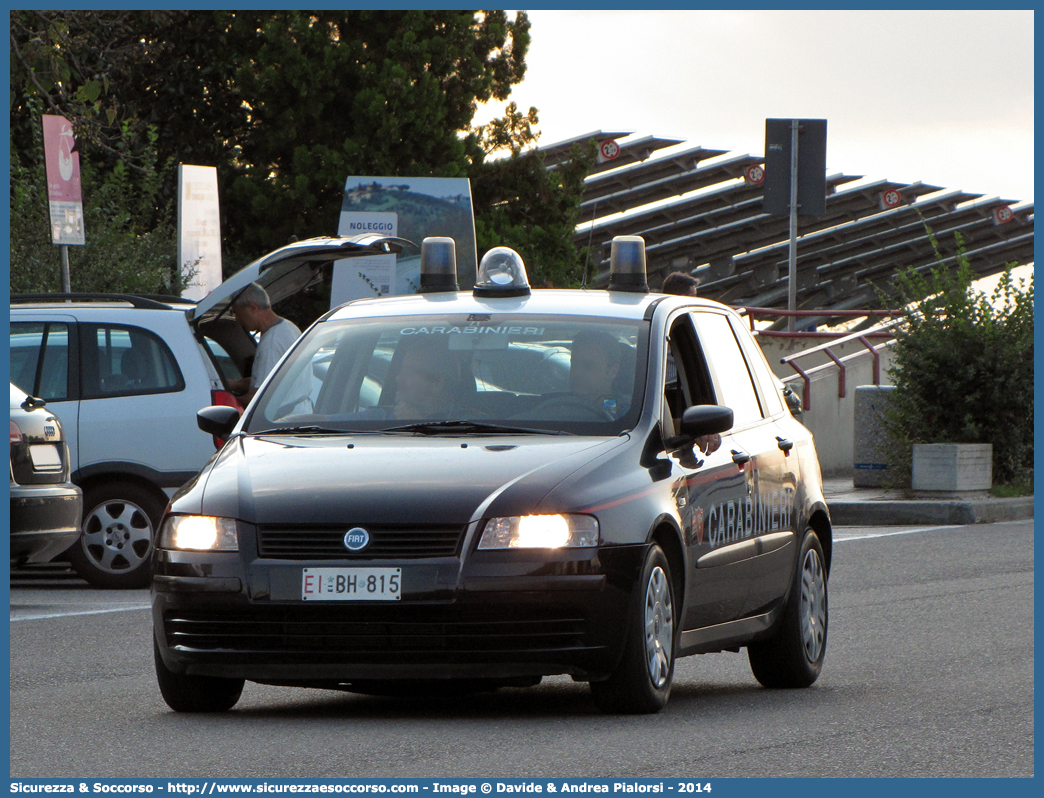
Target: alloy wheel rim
x,y
659,627
117,536
813,606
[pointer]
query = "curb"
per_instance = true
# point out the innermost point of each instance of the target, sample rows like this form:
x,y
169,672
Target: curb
x,y
931,512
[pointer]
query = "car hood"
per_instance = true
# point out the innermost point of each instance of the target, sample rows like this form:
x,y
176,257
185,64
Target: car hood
x,y
394,479
287,270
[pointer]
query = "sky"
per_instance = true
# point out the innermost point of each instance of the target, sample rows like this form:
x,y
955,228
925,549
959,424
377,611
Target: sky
x,y
944,97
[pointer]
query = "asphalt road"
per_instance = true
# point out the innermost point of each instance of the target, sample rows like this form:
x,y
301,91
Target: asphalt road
x,y
929,672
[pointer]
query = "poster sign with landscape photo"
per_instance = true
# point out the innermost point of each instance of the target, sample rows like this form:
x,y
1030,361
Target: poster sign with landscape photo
x,y
408,207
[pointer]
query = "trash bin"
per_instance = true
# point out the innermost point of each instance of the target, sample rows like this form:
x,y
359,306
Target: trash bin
x,y
869,439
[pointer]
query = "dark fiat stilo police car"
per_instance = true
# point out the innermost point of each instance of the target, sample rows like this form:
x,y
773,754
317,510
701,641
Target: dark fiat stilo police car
x,y
466,490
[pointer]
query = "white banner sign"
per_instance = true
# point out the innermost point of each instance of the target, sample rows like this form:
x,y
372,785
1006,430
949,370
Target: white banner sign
x,y
199,229
369,276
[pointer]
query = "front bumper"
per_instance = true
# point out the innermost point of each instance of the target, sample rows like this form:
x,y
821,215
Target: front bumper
x,y
45,520
497,615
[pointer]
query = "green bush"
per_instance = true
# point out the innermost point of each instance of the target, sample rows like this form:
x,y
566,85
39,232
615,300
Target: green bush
x,y
963,367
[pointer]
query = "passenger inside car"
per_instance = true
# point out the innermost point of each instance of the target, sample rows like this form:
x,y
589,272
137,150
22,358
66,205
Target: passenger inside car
x,y
431,382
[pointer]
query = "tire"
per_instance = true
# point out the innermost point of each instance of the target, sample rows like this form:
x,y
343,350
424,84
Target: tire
x,y
794,656
119,519
185,693
641,683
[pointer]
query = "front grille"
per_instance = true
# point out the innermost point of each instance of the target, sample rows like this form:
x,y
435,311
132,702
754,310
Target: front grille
x,y
430,633
327,543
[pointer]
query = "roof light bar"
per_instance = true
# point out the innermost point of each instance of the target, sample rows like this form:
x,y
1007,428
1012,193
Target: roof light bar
x,y
502,273
627,265
438,270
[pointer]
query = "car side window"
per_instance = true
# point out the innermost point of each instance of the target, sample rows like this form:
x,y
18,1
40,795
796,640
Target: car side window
x,y
759,367
40,359
733,384
685,380
126,361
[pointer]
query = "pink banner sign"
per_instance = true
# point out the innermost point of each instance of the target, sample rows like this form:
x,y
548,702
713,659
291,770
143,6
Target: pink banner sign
x,y
62,164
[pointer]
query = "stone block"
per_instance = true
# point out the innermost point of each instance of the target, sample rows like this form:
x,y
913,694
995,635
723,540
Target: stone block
x,y
952,467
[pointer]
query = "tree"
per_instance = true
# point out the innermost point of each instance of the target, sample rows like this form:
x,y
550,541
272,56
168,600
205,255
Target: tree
x,y
533,210
288,104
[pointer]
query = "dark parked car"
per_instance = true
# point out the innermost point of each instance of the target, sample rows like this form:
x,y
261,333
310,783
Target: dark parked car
x,y
468,489
45,506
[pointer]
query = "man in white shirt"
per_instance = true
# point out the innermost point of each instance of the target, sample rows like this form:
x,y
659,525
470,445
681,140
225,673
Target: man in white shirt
x,y
253,311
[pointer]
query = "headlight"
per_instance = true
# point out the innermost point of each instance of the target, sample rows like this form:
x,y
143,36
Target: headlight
x,y
540,532
199,533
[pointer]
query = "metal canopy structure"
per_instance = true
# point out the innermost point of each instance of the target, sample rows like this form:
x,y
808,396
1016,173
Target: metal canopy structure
x,y
698,213
631,150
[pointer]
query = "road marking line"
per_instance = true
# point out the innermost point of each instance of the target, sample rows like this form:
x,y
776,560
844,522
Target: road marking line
x,y
901,532
44,616
918,530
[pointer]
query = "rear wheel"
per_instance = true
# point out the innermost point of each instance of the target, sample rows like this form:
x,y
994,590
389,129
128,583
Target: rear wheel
x,y
184,693
116,536
642,681
794,656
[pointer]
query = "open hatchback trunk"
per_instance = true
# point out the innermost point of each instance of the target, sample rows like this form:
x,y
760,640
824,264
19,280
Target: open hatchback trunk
x,y
282,273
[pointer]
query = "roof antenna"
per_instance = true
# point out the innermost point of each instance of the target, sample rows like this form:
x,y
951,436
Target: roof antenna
x,y
590,235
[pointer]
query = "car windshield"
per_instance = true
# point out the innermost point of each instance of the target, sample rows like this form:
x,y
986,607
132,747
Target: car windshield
x,y
426,374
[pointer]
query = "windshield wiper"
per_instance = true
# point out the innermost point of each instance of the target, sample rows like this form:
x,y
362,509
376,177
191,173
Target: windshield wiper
x,y
304,429
434,427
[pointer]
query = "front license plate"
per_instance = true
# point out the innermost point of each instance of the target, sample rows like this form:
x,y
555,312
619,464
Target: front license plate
x,y
351,584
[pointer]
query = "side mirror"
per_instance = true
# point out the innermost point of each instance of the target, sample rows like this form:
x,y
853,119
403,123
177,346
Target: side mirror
x,y
218,420
793,401
706,420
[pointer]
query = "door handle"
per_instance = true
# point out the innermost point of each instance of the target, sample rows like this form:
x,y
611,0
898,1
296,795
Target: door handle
x,y
784,444
740,458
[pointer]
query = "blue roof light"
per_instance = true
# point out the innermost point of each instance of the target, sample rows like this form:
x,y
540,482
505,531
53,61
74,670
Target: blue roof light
x,y
438,271
627,265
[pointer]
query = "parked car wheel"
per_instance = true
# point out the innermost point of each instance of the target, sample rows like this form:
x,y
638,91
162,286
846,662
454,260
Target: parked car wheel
x,y
184,693
117,532
794,656
642,681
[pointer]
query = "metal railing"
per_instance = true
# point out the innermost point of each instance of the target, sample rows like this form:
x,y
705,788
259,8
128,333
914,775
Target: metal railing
x,y
878,331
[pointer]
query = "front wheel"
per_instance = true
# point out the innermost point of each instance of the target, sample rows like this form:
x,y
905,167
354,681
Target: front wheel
x,y
642,681
794,656
184,693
